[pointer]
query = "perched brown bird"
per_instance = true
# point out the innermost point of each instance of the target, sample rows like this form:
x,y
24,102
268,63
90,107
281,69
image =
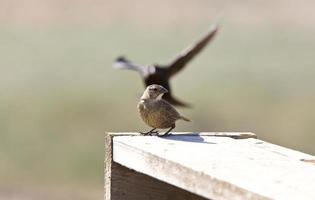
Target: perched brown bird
x,y
157,112
161,74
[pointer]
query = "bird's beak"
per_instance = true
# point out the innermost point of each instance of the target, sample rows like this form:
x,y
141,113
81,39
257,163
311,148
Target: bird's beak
x,y
163,90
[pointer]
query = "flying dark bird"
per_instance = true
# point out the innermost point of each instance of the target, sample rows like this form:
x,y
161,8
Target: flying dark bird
x,y
157,112
161,74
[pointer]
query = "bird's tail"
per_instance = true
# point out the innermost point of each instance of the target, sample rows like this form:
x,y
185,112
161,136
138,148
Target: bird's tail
x,y
185,118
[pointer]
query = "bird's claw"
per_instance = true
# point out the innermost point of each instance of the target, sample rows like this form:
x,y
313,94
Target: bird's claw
x,y
151,133
164,135
154,133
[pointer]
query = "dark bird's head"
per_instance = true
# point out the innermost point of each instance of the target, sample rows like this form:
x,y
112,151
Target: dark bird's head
x,y
121,59
154,92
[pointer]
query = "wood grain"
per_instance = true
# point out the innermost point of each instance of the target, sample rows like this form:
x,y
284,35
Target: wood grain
x,y
122,183
235,135
220,167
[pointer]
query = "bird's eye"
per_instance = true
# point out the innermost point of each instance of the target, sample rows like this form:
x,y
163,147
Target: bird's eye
x,y
154,89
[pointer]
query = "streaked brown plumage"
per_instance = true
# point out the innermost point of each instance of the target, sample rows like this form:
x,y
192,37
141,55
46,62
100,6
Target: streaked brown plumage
x,y
156,112
161,74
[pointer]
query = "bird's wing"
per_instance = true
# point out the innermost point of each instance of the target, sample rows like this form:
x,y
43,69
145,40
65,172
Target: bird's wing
x,y
172,100
186,55
122,63
167,110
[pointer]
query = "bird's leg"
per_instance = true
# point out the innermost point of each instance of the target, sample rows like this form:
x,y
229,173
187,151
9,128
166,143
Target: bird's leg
x,y
169,130
149,132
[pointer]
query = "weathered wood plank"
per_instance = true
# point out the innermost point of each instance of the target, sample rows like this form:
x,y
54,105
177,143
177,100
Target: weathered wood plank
x,y
235,135
122,183
220,167
131,185
108,165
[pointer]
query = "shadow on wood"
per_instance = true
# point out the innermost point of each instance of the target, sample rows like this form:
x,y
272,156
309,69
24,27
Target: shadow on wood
x,y
218,166
122,183
128,184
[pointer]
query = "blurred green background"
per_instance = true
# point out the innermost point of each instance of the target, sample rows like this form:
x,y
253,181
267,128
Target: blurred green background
x,y
59,94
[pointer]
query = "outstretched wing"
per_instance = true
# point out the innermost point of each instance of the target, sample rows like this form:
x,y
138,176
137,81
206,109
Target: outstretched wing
x,y
122,63
185,56
172,100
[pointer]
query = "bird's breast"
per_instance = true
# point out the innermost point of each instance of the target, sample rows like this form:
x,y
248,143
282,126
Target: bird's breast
x,y
153,115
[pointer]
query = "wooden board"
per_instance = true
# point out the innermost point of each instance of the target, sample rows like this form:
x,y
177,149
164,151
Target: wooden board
x,y
220,167
122,183
235,135
130,185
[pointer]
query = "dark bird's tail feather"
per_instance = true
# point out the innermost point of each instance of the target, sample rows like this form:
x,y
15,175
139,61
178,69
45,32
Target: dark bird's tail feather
x,y
185,118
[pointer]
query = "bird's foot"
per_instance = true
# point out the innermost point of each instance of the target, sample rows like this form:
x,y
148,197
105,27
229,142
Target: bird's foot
x,y
164,135
144,133
154,133
151,132
168,132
